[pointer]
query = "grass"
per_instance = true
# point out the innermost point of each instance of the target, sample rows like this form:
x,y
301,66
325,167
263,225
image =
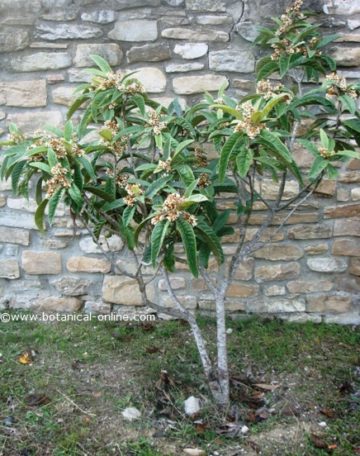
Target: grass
x,y
84,374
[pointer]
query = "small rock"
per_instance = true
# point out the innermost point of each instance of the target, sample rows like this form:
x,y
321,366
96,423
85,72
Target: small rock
x,y
322,424
229,331
131,414
192,405
194,451
244,430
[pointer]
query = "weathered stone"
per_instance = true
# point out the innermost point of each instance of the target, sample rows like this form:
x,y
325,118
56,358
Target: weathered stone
x,y
237,60
9,269
111,52
56,304
353,23
166,101
350,318
123,290
276,252
342,194
177,283
317,231
355,194
327,264
239,290
27,94
206,5
135,30
68,14
302,156
41,61
153,79
243,84
14,236
346,7
41,262
346,210
270,189
183,33
355,266
349,38
248,30
219,19
99,16
346,247
51,32
174,2
54,244
326,187
22,204
191,51
188,85
316,249
71,286
63,95
124,4
278,305
277,272
275,290
47,45
326,303
307,286
28,122
97,307
349,284
183,67
77,75
112,244
349,57
149,53
189,302
55,78
2,201
13,220
13,39
87,264
245,270
349,177
300,217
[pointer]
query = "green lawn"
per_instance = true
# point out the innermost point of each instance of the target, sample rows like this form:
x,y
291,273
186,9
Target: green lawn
x,y
69,400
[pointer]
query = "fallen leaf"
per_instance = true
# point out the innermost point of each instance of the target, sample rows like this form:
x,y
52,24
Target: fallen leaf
x,y
26,357
151,350
332,447
36,400
266,387
194,452
330,413
318,442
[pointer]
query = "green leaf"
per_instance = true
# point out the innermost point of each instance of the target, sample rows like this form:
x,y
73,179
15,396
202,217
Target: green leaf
x,y
193,199
75,106
317,167
324,139
273,142
42,166
189,240
101,63
128,214
53,203
352,124
156,186
39,214
233,112
140,103
88,167
75,195
52,158
348,103
113,205
229,147
244,161
186,174
349,154
68,130
99,192
209,236
169,258
38,190
284,64
16,174
266,70
157,238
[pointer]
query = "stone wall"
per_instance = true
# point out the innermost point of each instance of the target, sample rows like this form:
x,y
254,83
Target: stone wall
x,y
311,271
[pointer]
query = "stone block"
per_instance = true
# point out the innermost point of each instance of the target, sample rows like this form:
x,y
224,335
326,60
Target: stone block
x,y
111,52
149,53
87,264
281,271
123,290
41,262
9,268
14,236
135,30
189,34
53,32
71,286
191,51
25,94
40,61
188,85
237,61
56,304
325,303
276,252
346,247
327,264
307,286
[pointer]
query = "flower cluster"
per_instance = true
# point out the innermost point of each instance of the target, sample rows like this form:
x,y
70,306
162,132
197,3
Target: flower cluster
x,y
201,158
155,123
337,85
325,153
165,165
172,210
59,180
114,80
133,191
252,129
132,86
291,13
204,180
267,89
60,146
120,145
